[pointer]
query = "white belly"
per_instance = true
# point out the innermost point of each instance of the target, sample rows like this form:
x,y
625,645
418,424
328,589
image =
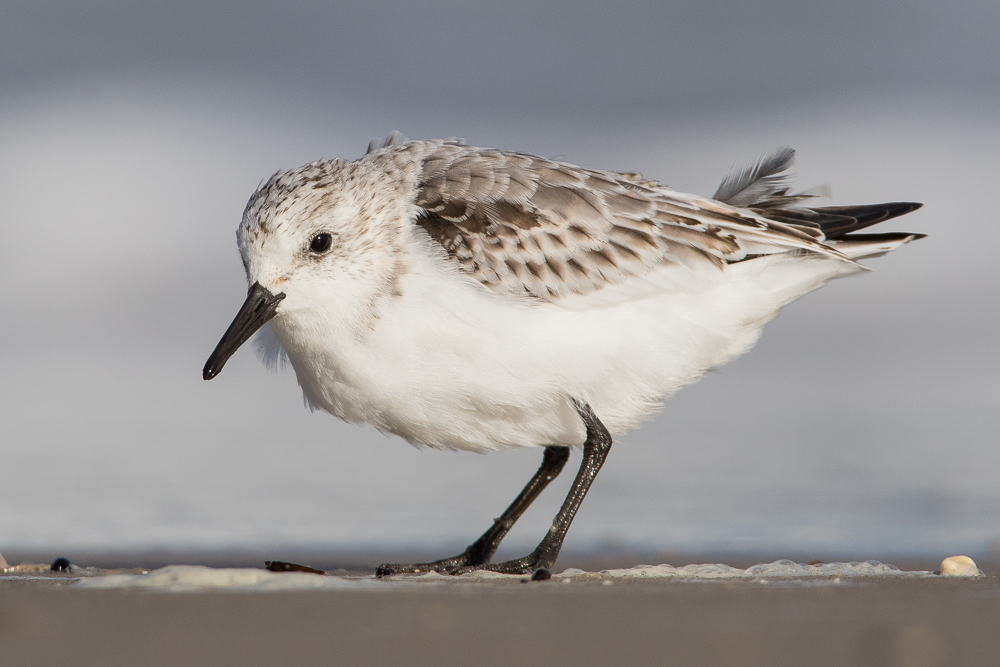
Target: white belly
x,y
449,365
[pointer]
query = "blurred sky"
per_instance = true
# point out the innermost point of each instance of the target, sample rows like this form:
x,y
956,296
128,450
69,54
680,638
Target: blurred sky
x,y
132,134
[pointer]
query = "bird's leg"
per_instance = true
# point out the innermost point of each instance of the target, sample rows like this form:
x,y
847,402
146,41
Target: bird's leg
x,y
595,451
482,550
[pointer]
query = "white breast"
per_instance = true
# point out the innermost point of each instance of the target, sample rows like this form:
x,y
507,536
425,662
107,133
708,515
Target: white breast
x,y
449,364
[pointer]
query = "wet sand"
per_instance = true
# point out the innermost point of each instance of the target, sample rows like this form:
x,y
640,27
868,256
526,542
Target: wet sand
x,y
924,622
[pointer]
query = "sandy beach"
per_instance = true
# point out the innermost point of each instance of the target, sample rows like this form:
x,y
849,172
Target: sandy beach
x,y
916,621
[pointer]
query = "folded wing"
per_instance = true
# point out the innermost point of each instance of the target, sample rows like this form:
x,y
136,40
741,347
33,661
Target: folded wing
x,y
523,224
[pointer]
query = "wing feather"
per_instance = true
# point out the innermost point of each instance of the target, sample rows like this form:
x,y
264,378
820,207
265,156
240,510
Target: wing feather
x,y
759,183
523,224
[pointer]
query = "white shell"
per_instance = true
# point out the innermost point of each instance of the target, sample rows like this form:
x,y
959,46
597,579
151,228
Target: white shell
x,y
959,566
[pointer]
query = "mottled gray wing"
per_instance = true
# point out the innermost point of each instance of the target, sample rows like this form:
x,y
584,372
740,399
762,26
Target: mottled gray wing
x,y
523,224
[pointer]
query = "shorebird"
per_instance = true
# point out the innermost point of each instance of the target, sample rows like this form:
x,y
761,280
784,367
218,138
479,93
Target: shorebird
x,y
477,299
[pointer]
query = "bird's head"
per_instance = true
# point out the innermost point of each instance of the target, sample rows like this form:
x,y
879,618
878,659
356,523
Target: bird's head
x,y
322,241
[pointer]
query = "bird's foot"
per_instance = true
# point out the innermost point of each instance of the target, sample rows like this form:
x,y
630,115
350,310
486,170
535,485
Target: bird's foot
x,y
282,566
464,563
443,565
530,564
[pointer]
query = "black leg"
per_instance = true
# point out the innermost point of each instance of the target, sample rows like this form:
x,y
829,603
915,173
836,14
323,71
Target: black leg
x,y
482,550
595,451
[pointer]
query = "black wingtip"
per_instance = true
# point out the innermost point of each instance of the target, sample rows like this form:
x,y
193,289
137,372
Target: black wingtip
x,y
897,209
838,221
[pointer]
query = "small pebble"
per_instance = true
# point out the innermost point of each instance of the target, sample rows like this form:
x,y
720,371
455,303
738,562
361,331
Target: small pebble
x,y
959,566
60,565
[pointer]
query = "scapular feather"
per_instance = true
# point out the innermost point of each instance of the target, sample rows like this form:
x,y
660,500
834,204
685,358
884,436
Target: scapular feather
x,y
395,137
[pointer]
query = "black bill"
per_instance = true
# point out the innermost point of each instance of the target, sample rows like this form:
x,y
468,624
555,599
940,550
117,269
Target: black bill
x,y
259,307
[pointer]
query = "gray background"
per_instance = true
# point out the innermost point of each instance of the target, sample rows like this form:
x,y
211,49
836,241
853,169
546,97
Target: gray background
x,y
131,135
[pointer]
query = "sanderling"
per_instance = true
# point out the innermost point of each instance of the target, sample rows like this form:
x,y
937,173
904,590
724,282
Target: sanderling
x,y
476,299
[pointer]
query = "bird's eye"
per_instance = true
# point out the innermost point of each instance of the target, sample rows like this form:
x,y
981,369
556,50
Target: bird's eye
x,y
321,243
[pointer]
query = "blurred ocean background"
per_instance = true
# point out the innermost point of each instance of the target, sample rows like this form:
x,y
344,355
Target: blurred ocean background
x,y
131,135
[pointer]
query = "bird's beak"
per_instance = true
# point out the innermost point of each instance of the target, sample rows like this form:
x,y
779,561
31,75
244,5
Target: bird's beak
x,y
259,307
